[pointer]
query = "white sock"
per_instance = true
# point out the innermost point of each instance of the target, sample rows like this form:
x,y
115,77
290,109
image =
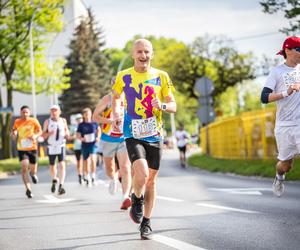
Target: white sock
x,y
280,177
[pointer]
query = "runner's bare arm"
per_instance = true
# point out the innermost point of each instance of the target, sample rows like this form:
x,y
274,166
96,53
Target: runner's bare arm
x,y
67,131
169,105
101,106
14,133
116,99
79,137
279,95
46,133
98,134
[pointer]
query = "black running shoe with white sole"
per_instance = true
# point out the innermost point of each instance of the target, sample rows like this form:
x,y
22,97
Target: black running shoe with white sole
x,y
61,190
137,208
34,178
29,194
53,186
146,231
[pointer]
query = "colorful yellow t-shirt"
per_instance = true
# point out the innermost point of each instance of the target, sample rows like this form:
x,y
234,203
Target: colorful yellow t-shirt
x,y
25,129
139,89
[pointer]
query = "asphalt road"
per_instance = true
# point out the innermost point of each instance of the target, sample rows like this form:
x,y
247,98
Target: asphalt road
x,y
194,210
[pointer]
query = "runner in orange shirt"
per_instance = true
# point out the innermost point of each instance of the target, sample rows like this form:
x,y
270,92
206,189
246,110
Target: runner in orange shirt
x,y
26,130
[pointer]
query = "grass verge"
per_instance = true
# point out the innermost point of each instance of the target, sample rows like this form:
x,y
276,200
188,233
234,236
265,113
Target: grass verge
x,y
13,164
265,168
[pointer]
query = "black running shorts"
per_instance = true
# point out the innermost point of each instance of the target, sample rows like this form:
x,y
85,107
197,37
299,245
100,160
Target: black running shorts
x,y
77,154
151,151
61,156
182,149
31,155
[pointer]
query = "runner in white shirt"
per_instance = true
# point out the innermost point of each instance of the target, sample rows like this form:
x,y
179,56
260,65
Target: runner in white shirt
x,y
182,140
55,130
282,86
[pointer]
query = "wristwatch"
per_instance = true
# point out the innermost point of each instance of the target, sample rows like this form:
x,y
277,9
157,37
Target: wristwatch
x,y
163,106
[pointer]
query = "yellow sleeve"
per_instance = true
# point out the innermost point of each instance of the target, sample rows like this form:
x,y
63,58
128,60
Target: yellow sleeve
x,y
167,87
37,126
119,84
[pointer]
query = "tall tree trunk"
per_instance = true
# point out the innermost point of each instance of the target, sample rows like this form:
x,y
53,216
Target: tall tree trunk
x,y
5,135
5,125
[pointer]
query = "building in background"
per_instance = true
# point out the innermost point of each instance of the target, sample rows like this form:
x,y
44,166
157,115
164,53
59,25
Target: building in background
x,y
73,11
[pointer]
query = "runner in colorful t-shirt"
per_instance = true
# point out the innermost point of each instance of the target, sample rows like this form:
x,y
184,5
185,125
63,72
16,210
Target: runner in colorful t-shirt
x,y
113,146
27,130
145,88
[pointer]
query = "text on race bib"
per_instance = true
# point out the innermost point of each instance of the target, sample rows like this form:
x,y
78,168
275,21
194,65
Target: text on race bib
x,y
142,128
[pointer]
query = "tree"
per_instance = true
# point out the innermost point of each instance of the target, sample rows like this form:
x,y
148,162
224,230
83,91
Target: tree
x,y
16,19
291,9
91,75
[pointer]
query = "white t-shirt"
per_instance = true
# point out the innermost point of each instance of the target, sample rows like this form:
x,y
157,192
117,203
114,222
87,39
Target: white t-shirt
x,y
58,138
181,137
288,108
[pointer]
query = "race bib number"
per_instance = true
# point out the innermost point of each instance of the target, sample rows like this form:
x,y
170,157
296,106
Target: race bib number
x,y
54,150
90,137
142,128
26,143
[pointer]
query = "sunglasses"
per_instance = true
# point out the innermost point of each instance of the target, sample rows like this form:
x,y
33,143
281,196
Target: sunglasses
x,y
297,49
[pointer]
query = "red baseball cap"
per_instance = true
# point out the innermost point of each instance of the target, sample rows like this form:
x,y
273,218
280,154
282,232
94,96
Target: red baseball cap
x,y
290,43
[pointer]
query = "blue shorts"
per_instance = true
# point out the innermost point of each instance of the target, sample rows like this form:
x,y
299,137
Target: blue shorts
x,y
88,150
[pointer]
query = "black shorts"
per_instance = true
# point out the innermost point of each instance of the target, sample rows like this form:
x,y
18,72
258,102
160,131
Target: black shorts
x,y
182,149
151,151
77,154
31,155
61,156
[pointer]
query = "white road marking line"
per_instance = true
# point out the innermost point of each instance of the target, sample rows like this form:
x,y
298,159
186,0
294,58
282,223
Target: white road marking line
x,y
177,244
168,198
52,199
247,191
227,208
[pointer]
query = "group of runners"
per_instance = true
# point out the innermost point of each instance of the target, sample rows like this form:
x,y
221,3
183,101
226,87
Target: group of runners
x,y
131,135
132,128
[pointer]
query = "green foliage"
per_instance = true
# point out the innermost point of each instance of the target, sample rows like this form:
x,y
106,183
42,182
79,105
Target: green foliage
x,y
90,75
291,9
206,56
13,164
17,18
119,59
240,98
49,78
265,168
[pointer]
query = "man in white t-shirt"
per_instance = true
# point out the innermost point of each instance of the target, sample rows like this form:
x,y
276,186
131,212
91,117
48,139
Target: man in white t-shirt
x,y
182,139
282,86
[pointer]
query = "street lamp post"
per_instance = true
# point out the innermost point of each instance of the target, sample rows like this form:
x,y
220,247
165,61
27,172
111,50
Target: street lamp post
x,y
32,76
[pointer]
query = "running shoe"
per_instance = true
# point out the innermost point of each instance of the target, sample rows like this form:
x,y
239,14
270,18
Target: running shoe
x,y
126,204
113,187
80,179
53,186
34,178
61,190
146,230
88,182
278,186
29,194
137,208
94,182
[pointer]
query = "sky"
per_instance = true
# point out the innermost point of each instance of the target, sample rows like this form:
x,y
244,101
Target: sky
x,y
240,20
